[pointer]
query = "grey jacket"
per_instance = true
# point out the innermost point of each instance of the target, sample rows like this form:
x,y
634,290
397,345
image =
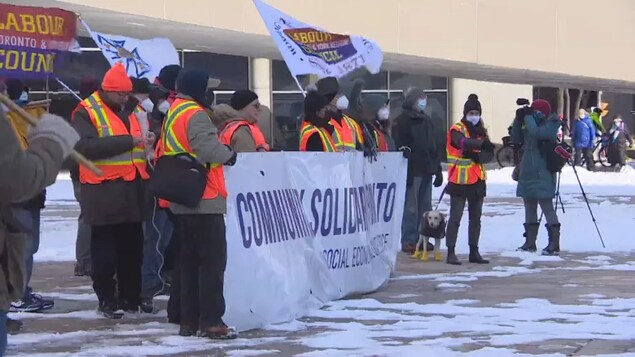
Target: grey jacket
x,y
203,139
23,174
242,140
110,202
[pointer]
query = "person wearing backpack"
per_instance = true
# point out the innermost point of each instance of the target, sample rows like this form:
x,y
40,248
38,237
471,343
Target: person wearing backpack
x,y
537,126
584,139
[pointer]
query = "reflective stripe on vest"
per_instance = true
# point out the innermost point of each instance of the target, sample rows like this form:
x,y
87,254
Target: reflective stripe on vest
x,y
356,127
174,141
228,132
308,129
462,171
380,140
123,166
346,134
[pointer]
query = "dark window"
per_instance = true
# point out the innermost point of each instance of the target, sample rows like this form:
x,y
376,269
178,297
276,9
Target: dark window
x,y
86,42
288,110
233,71
223,98
375,81
282,78
399,80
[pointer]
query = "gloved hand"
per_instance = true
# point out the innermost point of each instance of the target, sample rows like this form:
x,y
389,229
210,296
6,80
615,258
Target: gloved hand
x,y
488,146
232,160
405,151
57,129
438,179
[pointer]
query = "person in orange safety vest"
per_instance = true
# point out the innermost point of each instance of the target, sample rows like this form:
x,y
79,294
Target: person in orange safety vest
x,y
238,123
316,131
113,203
468,148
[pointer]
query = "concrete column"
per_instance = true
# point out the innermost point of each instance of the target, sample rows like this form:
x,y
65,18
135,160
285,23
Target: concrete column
x,y
498,102
261,84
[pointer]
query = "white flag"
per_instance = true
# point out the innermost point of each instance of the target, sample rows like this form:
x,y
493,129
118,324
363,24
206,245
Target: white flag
x,y
311,50
141,58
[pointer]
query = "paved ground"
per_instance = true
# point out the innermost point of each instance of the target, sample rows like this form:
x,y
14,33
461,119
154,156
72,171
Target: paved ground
x,y
73,328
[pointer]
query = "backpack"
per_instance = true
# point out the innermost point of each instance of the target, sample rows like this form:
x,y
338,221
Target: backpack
x,y
556,154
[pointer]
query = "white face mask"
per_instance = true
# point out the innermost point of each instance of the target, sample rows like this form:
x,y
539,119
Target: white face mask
x,y
147,105
342,103
164,107
383,113
474,119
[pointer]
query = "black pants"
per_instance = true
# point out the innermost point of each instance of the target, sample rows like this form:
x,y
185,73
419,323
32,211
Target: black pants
x,y
475,209
588,158
203,261
174,249
117,250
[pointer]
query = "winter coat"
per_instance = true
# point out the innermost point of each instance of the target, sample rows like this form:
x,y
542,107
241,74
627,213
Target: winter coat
x,y
597,123
110,202
583,133
417,131
470,146
23,174
242,140
535,181
619,139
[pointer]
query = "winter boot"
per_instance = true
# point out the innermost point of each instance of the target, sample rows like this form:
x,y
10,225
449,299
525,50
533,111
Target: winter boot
x,y
475,256
13,326
147,306
187,331
219,332
109,310
531,234
553,248
451,258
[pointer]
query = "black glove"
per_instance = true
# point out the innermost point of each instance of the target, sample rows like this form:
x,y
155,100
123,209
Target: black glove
x,y
488,146
438,179
232,160
405,151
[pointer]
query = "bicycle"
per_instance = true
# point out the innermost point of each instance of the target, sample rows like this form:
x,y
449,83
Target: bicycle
x,y
600,152
509,155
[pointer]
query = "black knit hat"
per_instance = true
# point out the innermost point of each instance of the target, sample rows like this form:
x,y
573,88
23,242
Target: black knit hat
x,y
328,87
314,102
140,85
168,75
242,98
193,82
15,87
472,104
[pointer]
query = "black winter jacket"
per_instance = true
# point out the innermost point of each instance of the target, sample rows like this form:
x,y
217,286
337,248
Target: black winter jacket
x,y
417,131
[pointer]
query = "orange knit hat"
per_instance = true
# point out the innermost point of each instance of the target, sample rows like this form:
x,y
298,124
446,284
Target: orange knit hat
x,y
116,80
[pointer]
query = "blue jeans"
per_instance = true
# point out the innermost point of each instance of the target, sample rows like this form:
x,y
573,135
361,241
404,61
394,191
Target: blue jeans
x,y
3,332
157,232
30,218
418,201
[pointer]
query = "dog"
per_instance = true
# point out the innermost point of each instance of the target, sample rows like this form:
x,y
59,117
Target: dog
x,y
432,226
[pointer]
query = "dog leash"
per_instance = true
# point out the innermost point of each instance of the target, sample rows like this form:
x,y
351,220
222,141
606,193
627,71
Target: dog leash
x,y
450,172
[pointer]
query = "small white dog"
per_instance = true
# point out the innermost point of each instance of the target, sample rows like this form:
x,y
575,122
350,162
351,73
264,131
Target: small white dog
x,y
432,226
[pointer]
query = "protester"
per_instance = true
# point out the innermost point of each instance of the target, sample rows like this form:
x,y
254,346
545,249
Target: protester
x,y
374,114
24,173
619,139
162,95
468,148
238,123
596,118
82,245
416,132
27,212
584,140
113,203
536,184
316,132
347,134
200,229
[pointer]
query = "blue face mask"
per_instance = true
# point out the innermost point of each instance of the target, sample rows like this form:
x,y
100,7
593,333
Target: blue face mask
x,y
421,104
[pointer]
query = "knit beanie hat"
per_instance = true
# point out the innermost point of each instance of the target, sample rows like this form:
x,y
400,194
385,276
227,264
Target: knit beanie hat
x,y
87,86
472,104
116,80
314,102
328,87
242,98
167,76
140,85
193,82
542,106
15,87
374,102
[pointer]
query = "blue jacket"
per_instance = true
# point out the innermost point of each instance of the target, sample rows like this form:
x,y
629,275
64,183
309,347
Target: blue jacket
x,y
584,134
535,181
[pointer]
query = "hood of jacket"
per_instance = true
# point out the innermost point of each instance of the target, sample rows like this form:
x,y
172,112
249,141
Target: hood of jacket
x,y
223,114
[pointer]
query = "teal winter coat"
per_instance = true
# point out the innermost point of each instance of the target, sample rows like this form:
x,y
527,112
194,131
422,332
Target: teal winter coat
x,y
535,181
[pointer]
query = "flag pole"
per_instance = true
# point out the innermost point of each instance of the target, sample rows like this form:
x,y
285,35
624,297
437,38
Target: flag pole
x,y
68,88
299,86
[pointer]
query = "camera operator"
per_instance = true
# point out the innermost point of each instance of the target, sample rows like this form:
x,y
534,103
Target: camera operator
x,y
536,184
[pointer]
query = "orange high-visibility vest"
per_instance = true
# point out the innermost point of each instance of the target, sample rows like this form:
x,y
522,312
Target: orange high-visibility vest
x,y
158,152
347,134
175,141
310,129
228,132
380,140
462,171
123,166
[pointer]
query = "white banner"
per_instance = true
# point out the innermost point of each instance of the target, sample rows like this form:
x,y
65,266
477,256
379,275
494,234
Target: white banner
x,y
141,58
308,49
307,228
